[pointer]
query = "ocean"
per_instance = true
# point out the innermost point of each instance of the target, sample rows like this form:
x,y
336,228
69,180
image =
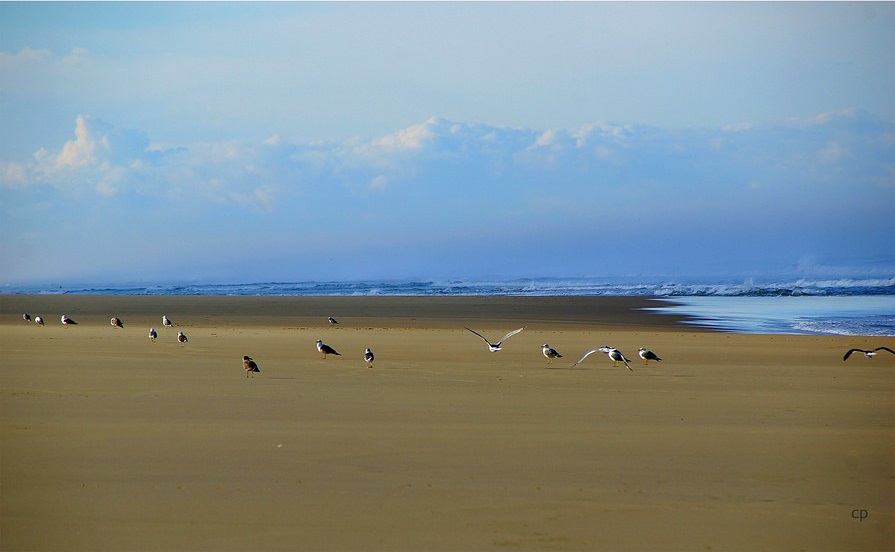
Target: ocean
x,y
799,306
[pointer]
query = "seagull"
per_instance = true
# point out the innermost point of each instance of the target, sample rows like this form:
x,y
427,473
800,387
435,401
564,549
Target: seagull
x,y
868,354
494,347
26,317
167,321
326,349
66,320
38,320
332,320
249,365
181,337
368,356
648,355
549,352
152,334
116,322
613,353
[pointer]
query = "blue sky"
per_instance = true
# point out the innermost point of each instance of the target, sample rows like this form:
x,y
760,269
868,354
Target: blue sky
x,y
293,141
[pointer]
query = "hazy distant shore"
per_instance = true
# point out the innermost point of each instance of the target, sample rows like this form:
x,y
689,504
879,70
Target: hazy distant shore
x,y
109,441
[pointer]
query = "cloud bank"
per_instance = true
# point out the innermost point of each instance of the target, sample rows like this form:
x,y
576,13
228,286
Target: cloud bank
x,y
448,198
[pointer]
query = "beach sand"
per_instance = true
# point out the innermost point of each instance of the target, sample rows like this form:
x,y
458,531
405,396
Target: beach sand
x,y
734,442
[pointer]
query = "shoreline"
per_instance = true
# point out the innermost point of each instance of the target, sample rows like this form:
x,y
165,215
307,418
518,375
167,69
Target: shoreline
x,y
402,311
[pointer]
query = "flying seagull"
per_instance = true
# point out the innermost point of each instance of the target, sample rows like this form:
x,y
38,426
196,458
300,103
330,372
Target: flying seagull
x,y
326,349
152,334
249,366
167,321
494,347
868,354
549,352
368,356
614,354
26,317
66,320
116,322
181,337
332,320
38,320
648,355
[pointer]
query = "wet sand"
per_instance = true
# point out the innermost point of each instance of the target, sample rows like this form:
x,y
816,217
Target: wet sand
x,y
734,442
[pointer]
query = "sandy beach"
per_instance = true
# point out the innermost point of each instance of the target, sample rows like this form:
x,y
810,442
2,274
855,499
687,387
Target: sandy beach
x,y
109,441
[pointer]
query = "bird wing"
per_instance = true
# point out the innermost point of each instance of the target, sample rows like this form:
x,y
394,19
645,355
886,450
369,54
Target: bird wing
x,y
850,351
481,336
885,349
587,354
509,335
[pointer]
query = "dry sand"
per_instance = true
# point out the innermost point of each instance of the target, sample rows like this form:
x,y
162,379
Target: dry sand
x,y
733,442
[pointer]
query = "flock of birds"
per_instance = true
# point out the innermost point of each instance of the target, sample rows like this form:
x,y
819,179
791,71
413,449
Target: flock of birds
x,y
250,366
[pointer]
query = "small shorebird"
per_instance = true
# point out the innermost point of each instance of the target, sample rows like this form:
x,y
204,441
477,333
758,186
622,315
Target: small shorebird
x,y
614,354
332,320
494,347
326,349
152,334
249,366
181,337
648,355
549,352
66,321
868,354
116,322
368,356
38,320
26,317
167,321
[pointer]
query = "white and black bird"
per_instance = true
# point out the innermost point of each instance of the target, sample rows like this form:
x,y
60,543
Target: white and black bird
x,y
181,337
648,355
868,354
326,349
368,356
614,354
166,322
549,352
38,320
26,317
494,347
66,321
250,366
116,322
152,334
332,320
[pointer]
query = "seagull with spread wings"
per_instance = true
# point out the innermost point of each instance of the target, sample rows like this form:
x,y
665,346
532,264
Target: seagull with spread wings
x,y
494,347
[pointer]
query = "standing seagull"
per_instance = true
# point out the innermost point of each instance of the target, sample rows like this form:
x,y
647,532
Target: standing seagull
x,y
868,354
332,320
116,322
494,347
67,321
368,356
549,352
26,317
326,349
249,366
38,320
181,337
152,334
167,321
648,355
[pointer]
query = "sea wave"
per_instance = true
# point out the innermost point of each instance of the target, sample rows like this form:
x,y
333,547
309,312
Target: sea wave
x,y
518,287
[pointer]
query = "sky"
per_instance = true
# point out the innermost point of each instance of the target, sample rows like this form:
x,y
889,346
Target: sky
x,y
292,141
